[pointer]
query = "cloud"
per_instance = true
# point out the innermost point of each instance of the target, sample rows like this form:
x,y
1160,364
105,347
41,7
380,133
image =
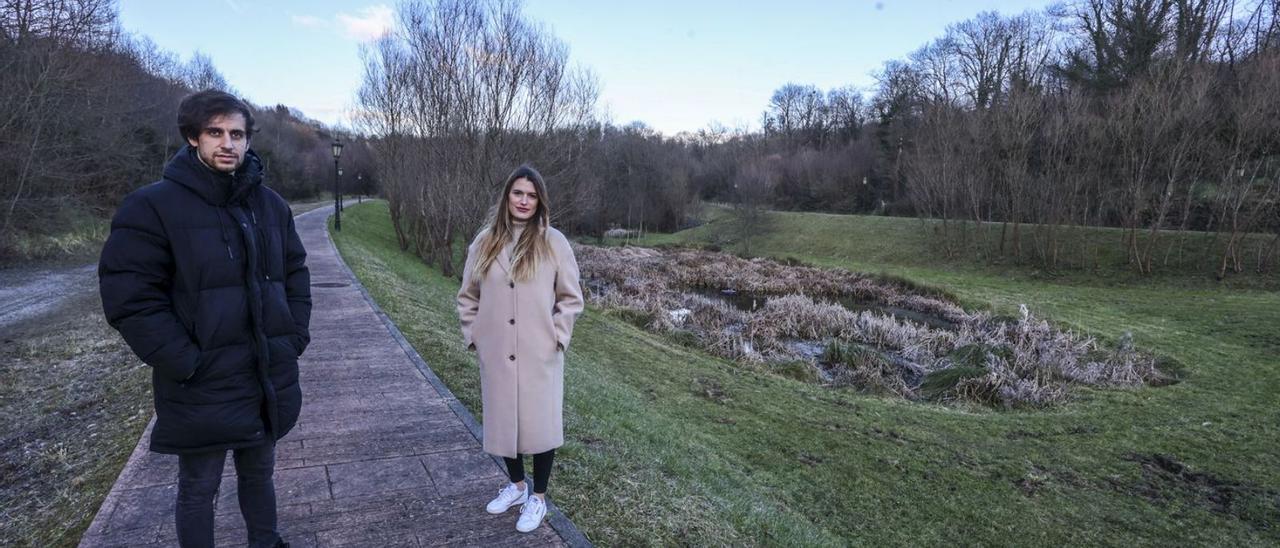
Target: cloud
x,y
235,6
309,21
371,23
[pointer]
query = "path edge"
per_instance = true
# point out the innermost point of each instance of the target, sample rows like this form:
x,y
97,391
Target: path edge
x,y
558,521
108,506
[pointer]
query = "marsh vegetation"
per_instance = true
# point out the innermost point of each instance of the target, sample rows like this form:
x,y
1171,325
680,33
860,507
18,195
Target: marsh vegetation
x,y
846,329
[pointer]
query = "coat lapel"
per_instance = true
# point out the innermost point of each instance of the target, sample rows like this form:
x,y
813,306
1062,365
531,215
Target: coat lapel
x,y
504,259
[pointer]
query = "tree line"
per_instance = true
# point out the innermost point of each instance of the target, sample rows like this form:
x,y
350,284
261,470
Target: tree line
x,y
1014,136
1145,115
462,91
1017,137
89,113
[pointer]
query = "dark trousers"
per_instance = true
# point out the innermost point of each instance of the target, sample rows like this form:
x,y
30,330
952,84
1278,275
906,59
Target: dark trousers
x,y
541,469
199,476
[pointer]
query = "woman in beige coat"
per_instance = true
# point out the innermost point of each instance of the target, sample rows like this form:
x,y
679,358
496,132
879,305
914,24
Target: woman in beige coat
x,y
518,301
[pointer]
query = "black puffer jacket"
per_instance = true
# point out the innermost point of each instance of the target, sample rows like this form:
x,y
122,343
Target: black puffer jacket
x,y
205,277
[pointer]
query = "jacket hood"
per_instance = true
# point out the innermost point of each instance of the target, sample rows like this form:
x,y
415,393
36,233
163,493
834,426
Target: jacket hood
x,y
216,188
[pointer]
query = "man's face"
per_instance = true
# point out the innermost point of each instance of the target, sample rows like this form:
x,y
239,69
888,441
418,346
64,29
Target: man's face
x,y
223,142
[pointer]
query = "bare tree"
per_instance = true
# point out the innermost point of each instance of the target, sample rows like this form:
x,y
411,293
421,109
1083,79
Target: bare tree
x,y
938,70
1196,25
200,73
1118,40
797,113
1251,174
943,179
982,47
846,113
753,186
54,56
462,92
384,100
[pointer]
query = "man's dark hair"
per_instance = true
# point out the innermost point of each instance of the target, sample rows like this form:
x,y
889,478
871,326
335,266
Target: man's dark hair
x,y
198,108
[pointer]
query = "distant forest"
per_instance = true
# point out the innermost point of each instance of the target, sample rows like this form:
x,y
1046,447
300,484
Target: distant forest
x,y
1013,136
1008,134
88,113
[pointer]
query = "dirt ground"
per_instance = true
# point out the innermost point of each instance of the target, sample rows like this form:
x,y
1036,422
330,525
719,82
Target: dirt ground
x,y
28,292
73,401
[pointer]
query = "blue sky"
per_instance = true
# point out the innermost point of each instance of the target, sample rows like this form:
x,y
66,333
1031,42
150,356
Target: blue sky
x,y
675,65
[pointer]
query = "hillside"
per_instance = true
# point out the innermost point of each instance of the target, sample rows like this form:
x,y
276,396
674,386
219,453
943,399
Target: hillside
x,y
669,445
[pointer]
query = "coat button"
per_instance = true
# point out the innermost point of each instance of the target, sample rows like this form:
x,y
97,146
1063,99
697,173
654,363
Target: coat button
x,y
512,321
512,357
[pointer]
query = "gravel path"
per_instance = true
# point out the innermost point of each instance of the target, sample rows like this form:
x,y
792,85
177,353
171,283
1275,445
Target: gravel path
x,y
28,292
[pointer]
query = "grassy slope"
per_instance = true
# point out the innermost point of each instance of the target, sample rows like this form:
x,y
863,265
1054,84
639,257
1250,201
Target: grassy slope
x,y
669,445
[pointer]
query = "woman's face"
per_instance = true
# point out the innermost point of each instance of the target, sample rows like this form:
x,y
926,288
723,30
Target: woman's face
x,y
522,201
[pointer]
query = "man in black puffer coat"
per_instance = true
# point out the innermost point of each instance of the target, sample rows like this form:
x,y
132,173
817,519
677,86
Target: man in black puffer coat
x,y
205,277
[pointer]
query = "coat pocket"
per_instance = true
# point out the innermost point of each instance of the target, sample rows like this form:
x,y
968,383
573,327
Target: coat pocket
x,y
183,376
283,349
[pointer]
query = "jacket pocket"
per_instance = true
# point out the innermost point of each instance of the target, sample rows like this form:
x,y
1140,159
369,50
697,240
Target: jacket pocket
x,y
283,348
199,373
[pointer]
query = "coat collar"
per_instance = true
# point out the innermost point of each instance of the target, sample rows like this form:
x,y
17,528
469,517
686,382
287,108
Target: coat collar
x,y
216,188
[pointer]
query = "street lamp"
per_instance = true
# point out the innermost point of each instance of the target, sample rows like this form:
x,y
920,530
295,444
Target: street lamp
x,y
337,198
360,188
341,206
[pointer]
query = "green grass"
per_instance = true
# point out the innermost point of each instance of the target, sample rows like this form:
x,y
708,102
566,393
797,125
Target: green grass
x,y
76,239
667,445
73,401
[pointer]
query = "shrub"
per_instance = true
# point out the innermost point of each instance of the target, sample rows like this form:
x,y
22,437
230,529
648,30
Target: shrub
x,y
866,369
801,370
946,384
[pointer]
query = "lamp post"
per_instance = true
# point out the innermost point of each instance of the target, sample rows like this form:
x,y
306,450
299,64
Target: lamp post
x,y
341,206
337,198
360,188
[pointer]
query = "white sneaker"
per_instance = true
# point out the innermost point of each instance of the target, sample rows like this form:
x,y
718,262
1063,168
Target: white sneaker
x,y
507,497
531,515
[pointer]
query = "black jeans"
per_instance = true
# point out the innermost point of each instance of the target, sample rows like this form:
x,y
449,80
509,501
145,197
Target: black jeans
x,y
199,476
541,469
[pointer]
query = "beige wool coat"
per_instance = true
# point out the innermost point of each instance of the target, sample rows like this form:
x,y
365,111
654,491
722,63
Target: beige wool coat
x,y
520,331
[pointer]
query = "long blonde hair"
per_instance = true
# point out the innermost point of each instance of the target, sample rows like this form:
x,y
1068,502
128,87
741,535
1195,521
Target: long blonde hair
x,y
532,247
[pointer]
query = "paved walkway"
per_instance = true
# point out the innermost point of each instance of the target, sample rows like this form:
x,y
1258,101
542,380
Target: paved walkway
x,y
383,454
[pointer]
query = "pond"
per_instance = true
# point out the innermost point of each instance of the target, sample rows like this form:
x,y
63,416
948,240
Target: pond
x,y
750,302
844,328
